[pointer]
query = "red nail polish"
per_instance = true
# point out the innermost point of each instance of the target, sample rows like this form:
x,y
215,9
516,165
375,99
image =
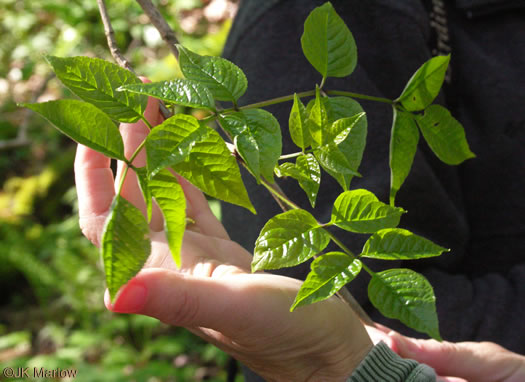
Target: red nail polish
x,y
131,298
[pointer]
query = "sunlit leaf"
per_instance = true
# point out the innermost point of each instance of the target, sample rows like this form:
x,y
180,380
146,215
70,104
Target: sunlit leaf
x,y
403,147
95,81
399,244
361,211
353,146
288,239
170,197
98,132
143,178
407,296
425,84
180,91
212,168
329,273
125,244
257,137
444,134
317,121
225,80
328,44
172,141
306,171
297,123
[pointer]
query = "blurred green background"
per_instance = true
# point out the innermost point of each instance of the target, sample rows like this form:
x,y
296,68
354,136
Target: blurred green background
x,y
51,278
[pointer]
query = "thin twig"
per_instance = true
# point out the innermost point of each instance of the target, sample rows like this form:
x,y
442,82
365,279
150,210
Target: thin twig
x,y
167,34
21,138
110,36
115,51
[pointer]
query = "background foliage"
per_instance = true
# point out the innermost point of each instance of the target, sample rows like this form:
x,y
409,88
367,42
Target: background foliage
x,y
51,310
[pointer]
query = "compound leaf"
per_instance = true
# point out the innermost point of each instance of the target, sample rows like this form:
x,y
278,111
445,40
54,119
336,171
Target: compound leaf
x,y
180,91
288,239
212,168
425,84
172,141
98,132
225,80
329,273
407,296
125,244
399,244
170,197
403,147
328,44
95,81
360,211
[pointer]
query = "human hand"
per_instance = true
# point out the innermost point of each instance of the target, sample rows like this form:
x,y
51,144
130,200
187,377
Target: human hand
x,y
213,293
463,361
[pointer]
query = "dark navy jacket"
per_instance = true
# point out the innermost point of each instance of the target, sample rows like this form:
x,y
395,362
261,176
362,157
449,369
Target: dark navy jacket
x,y
478,208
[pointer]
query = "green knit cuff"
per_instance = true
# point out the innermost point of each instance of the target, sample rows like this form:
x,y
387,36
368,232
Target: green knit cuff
x,y
382,364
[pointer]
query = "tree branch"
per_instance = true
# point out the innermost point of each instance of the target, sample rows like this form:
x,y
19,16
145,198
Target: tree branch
x,y
115,51
110,36
162,26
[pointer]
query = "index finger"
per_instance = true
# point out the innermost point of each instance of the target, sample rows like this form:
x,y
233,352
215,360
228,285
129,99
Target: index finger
x,y
94,182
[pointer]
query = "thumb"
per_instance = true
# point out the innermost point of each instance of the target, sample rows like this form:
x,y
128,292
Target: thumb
x,y
178,299
473,361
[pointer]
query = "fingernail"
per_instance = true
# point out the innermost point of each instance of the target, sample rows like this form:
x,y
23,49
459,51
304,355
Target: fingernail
x,y
131,298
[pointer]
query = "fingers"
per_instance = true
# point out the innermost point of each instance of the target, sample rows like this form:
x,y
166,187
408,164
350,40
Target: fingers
x,y
94,183
198,209
177,299
473,361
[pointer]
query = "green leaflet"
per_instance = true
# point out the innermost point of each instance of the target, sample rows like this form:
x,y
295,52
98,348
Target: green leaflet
x,y
143,178
444,134
407,296
329,273
95,80
399,244
329,155
297,124
334,161
360,211
425,84
212,168
125,244
225,80
317,121
353,146
98,132
288,239
170,197
306,171
179,91
328,44
172,141
403,146
257,137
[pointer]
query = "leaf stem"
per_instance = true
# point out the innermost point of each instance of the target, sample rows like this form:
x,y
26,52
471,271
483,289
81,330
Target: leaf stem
x,y
360,96
279,194
293,155
340,244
